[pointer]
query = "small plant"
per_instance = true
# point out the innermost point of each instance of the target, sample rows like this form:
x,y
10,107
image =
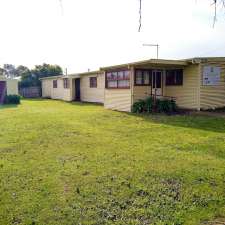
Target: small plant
x,y
139,106
12,99
149,105
160,106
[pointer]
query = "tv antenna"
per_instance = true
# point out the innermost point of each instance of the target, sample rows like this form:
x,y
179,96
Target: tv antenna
x,y
153,45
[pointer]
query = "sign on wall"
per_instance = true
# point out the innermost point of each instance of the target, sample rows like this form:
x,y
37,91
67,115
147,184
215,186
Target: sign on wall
x,y
211,75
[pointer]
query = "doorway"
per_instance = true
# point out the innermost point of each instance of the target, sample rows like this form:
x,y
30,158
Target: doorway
x,y
77,89
2,91
157,82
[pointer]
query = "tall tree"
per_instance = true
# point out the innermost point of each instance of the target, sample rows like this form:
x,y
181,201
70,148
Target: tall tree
x,y
32,77
9,70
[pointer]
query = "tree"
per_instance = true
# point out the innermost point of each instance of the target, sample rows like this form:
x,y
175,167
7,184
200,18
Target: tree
x,y
21,70
32,77
9,70
46,70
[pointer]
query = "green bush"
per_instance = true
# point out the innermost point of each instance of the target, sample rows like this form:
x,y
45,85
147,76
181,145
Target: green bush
x,y
149,104
161,106
139,106
12,99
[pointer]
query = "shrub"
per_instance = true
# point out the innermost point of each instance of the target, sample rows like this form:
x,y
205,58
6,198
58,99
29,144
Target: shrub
x,y
149,104
12,99
161,106
139,106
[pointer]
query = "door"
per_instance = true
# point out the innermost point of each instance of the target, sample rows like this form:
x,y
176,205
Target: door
x,y
77,89
157,82
2,91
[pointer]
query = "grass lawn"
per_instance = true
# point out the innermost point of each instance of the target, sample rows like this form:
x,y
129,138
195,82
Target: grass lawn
x,y
69,163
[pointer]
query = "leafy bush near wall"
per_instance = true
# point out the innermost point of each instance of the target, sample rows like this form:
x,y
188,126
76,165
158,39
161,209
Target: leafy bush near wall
x,y
12,99
166,106
148,106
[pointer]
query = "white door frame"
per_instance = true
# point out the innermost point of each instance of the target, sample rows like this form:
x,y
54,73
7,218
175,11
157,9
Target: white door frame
x,y
158,91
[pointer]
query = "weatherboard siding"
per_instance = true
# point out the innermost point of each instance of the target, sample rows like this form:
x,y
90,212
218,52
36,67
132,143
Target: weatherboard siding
x,y
187,95
11,85
141,92
60,92
118,99
213,96
92,94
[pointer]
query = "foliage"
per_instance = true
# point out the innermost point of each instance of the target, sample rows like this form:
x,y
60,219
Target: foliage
x,y
139,106
161,106
12,99
31,78
9,70
166,106
149,105
73,163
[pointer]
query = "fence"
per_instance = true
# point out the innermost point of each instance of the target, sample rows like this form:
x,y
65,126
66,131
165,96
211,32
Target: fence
x,y
30,92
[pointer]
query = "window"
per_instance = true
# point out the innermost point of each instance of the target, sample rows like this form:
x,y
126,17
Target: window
x,y
118,79
66,83
54,83
93,82
143,77
174,77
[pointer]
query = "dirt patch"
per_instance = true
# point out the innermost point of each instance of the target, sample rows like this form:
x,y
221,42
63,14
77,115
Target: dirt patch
x,y
207,113
220,221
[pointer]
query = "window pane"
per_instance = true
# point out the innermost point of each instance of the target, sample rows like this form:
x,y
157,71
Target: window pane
x,y
146,77
138,77
54,83
123,83
93,82
66,83
120,75
179,77
112,84
109,75
114,75
126,74
174,77
158,79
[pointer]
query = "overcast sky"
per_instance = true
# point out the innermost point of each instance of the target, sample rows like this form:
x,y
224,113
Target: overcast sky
x,y
94,33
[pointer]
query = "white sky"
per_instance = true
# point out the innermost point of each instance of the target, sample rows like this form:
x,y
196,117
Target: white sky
x,y
94,33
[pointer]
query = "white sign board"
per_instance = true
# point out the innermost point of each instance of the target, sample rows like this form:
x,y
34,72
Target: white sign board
x,y
211,75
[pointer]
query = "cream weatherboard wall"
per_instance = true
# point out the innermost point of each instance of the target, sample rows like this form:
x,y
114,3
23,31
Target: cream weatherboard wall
x,y
118,99
46,88
89,94
141,92
56,93
11,85
213,96
187,95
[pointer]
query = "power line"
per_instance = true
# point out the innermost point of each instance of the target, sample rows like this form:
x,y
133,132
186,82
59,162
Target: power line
x,y
140,16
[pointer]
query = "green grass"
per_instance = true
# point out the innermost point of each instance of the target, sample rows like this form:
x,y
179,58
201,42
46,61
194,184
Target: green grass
x,y
64,163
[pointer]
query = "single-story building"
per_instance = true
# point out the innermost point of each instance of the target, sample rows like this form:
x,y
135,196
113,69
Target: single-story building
x,y
8,86
197,83
85,87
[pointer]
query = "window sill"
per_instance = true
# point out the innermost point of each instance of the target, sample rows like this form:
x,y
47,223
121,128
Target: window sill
x,y
117,87
142,85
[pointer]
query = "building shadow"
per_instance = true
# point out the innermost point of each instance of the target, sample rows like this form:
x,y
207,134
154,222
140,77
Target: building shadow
x,y
2,107
201,122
